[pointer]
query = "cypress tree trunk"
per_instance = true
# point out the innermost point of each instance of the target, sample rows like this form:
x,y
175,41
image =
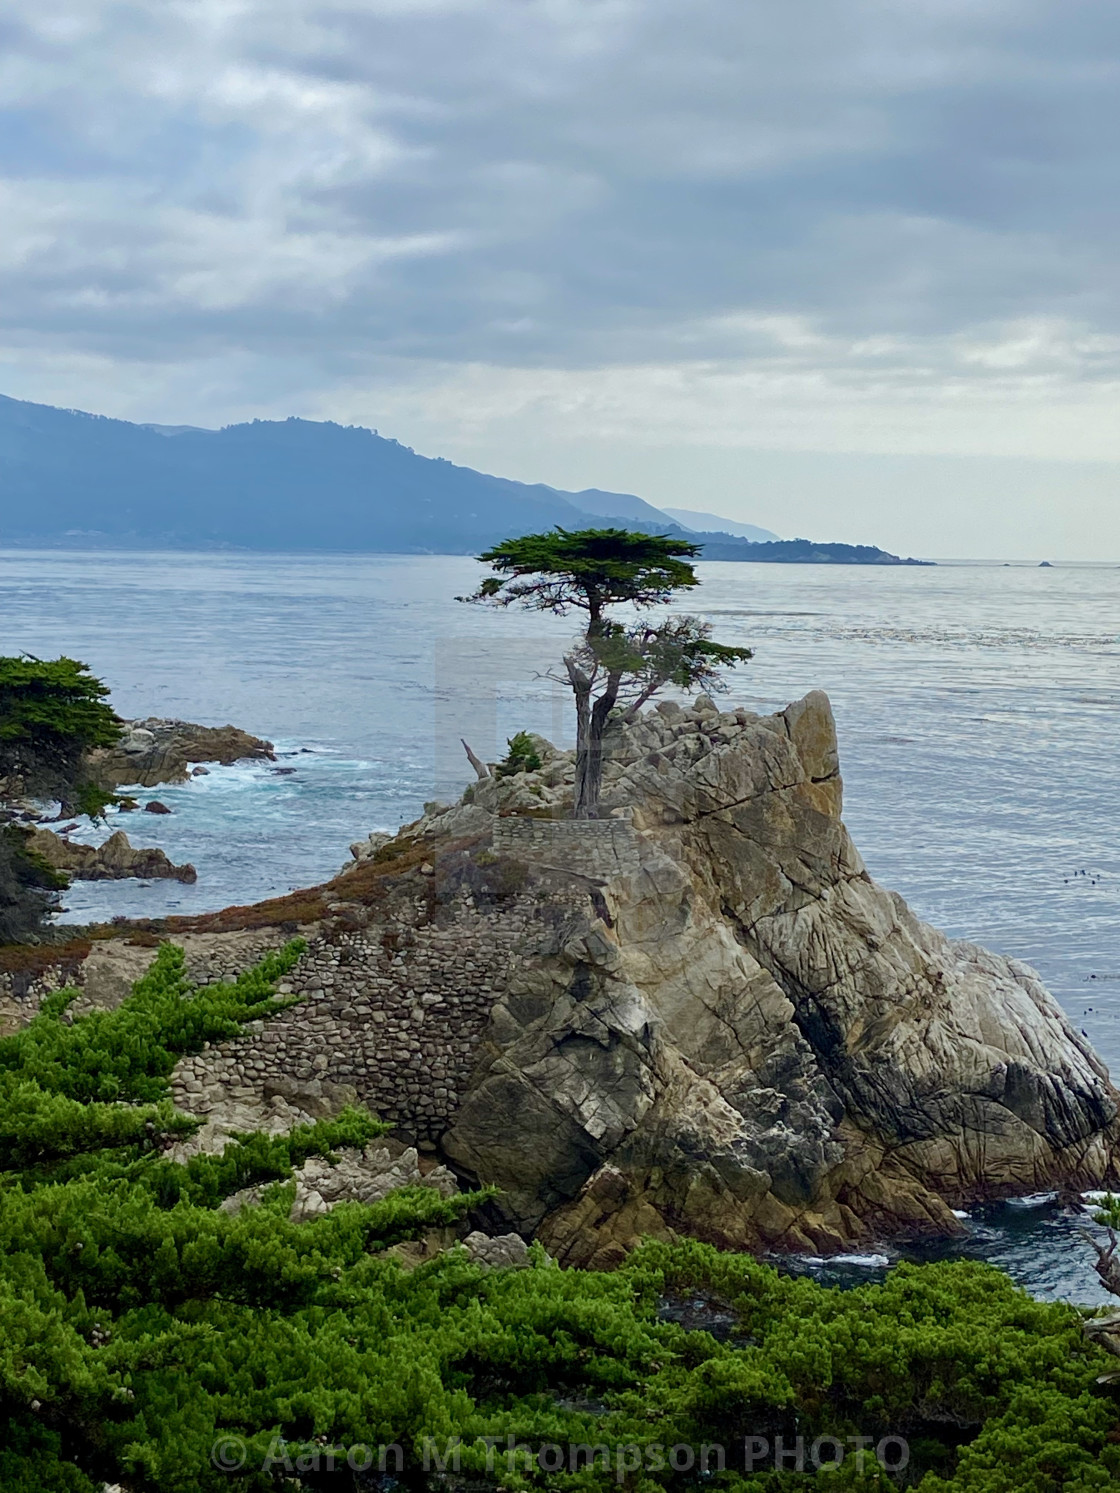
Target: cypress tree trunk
x,y
581,689
589,769
590,725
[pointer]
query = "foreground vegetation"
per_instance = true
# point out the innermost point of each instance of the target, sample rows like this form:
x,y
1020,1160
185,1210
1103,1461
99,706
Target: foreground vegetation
x,y
153,1339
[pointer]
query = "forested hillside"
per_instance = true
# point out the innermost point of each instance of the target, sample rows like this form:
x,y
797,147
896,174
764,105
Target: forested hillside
x,y
83,480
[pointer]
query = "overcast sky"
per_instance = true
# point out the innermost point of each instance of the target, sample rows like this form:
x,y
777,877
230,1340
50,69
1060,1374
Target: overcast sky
x,y
846,268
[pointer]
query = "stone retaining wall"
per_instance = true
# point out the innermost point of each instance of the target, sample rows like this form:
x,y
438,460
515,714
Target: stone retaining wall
x,y
23,992
394,1011
397,1015
595,848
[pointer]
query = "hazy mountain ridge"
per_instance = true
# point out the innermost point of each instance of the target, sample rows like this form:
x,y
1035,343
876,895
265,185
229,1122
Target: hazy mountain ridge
x,y
272,485
715,523
284,485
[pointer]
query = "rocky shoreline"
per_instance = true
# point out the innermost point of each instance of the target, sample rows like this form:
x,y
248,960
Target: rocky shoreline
x,y
154,751
150,752
696,1016
113,860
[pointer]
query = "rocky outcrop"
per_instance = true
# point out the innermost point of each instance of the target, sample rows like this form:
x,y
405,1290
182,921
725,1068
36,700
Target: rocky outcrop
x,y
350,1174
156,751
698,1015
503,1252
365,850
748,1039
113,860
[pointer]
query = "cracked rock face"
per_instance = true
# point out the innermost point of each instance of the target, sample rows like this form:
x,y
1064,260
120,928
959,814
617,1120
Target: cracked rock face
x,y
739,1035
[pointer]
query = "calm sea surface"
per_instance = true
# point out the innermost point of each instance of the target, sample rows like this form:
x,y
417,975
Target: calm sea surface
x,y
978,709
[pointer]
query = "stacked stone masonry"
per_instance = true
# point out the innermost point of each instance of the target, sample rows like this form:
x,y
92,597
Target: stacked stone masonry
x,y
395,1014
594,848
22,993
395,1011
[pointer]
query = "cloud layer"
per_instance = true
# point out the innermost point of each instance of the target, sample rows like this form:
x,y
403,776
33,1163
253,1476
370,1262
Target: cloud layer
x,y
838,225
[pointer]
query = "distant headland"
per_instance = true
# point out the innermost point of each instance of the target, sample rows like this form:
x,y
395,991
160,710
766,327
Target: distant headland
x,y
68,478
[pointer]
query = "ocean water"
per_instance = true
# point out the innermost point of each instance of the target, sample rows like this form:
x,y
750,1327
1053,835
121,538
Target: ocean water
x,y
978,709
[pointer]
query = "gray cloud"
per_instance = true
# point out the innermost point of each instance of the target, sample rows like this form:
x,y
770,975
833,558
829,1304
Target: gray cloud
x,y
873,217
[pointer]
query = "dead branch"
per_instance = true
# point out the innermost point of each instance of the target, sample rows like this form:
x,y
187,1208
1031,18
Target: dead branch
x,y
1108,1265
479,766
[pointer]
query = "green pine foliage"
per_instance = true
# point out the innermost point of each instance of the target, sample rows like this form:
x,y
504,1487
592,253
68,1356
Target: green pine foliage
x,y
51,713
521,757
53,701
152,1338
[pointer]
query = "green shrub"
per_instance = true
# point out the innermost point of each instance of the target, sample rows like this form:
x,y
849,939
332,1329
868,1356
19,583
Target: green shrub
x,y
521,757
144,1327
51,714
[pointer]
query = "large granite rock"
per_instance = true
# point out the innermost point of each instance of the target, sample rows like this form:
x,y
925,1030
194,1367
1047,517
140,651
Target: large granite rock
x,y
739,1034
114,860
697,1015
157,751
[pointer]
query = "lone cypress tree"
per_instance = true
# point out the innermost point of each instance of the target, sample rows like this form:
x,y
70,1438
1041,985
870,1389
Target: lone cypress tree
x,y
612,662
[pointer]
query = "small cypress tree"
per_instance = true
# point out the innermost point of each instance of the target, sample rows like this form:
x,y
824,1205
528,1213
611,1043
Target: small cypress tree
x,y
521,757
52,713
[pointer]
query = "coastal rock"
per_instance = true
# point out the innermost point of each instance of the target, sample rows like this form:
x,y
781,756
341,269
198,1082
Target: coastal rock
x,y
352,1175
364,1176
157,751
746,1039
697,1015
364,850
114,860
502,1251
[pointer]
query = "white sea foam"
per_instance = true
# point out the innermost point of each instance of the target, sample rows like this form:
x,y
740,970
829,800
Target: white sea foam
x,y
867,1262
